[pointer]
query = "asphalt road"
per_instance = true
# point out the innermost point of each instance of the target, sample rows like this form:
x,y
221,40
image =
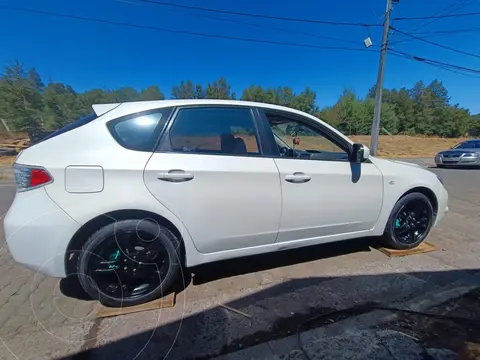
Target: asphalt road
x,y
42,318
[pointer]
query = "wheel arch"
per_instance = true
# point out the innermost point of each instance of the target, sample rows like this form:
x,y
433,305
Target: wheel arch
x,y
86,230
429,193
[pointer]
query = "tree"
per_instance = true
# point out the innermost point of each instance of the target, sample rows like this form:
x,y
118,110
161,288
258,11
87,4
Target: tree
x,y
404,108
219,89
305,101
61,106
26,103
254,93
151,93
474,126
21,97
185,90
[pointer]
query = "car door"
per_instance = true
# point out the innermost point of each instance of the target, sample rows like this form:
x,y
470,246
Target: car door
x,y
211,172
323,193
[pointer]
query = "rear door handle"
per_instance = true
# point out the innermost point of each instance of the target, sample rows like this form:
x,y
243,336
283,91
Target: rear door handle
x,y
298,178
175,176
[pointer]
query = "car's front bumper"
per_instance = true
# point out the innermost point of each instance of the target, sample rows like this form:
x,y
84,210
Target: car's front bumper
x,y
461,160
38,231
442,204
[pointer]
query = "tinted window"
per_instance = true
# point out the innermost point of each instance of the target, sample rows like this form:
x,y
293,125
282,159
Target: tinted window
x,y
214,131
140,131
468,145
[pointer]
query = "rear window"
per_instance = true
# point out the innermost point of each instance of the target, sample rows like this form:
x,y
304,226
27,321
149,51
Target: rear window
x,y
140,131
76,124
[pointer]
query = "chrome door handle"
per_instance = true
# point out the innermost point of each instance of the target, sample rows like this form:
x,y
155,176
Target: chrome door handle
x,y
298,178
175,176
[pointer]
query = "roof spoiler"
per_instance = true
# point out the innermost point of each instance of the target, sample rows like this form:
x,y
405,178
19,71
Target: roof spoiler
x,y
101,109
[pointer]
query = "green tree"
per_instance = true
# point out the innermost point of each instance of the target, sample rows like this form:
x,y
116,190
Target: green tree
x,y
219,89
186,90
405,110
305,101
21,97
254,93
61,106
151,93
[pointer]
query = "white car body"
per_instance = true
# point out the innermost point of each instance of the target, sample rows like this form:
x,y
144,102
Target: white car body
x,y
234,206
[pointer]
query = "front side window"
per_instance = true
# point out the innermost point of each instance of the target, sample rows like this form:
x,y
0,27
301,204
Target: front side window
x,y
216,130
296,139
140,131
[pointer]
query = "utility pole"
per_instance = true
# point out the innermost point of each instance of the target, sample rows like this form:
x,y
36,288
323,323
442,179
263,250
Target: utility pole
x,y
379,87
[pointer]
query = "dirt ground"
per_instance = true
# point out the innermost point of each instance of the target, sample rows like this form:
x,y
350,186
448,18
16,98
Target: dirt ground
x,y
439,333
409,146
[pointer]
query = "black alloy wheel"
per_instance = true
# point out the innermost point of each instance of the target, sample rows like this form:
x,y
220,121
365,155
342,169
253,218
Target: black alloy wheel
x,y
129,262
410,222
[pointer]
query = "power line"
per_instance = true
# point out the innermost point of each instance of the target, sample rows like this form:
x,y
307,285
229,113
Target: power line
x,y
437,66
446,32
262,16
439,33
262,26
434,62
436,44
450,9
433,17
146,27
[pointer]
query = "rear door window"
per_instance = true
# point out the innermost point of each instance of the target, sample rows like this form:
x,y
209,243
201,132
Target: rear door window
x,y
214,130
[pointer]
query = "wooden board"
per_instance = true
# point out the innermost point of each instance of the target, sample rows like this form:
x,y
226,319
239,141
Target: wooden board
x,y
162,303
470,351
424,247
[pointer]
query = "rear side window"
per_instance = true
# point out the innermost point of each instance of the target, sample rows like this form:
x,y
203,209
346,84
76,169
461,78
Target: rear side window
x,y
140,131
216,130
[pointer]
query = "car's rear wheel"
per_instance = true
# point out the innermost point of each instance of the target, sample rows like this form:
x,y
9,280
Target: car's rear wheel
x,y
129,262
409,223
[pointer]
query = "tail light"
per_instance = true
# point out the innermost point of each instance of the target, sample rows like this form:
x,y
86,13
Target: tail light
x,y
30,177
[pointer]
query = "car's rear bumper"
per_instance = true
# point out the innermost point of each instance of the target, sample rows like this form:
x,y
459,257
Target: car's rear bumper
x,y
38,231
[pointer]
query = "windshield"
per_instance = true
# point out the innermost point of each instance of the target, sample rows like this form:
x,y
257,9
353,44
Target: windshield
x,y
468,145
280,142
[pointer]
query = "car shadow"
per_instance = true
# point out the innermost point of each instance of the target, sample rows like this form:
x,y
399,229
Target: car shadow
x,y
471,168
252,264
266,315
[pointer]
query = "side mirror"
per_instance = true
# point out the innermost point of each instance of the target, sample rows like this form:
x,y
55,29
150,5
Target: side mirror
x,y
360,153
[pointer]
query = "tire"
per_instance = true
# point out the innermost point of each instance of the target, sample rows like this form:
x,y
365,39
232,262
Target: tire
x,y
390,239
109,282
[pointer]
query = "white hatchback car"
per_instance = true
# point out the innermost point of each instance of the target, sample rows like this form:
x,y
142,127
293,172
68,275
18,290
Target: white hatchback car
x,y
125,197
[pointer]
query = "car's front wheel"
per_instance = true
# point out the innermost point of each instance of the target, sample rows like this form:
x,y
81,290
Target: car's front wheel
x,y
409,223
129,262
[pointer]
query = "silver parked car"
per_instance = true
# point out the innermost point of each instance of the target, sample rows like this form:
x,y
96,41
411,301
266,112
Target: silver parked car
x,y
465,154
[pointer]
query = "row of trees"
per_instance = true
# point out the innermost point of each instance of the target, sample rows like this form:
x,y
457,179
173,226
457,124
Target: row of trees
x,y
27,103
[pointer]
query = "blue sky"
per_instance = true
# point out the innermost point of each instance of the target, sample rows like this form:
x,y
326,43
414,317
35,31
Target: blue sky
x,y
92,55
